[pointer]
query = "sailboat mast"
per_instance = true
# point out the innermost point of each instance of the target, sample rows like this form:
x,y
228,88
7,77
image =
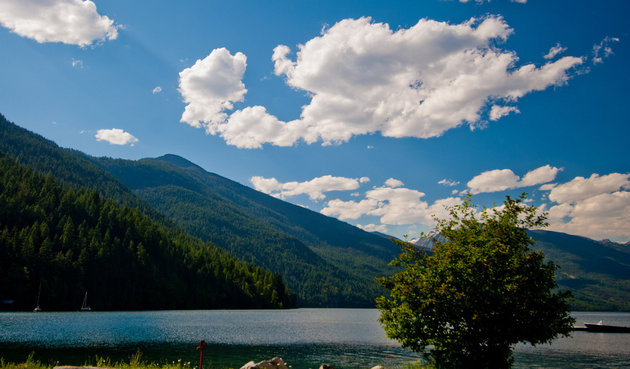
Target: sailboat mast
x,y
39,292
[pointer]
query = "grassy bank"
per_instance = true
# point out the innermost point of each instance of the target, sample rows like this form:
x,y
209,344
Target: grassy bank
x,y
135,362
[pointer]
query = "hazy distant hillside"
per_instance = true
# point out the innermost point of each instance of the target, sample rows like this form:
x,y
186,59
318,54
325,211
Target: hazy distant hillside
x,y
597,272
327,262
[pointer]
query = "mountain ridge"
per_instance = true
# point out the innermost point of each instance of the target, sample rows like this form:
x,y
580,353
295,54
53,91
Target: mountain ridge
x,y
300,244
596,272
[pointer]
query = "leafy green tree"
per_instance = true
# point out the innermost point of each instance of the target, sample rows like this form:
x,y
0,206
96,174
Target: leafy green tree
x,y
479,293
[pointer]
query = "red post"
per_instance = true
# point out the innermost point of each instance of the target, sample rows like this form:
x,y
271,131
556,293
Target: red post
x,y
201,346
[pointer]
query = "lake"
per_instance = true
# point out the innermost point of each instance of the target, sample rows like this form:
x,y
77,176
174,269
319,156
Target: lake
x,y
304,338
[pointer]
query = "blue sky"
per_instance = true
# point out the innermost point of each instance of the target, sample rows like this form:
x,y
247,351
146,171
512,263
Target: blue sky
x,y
377,113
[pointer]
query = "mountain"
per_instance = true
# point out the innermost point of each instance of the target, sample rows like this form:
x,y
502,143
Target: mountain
x,y
63,241
325,261
428,241
596,272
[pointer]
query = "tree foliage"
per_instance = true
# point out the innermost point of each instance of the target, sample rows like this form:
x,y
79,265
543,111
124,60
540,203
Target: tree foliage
x,y
479,293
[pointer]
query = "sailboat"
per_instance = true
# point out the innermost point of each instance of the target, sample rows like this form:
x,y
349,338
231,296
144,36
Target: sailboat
x,y
37,308
85,307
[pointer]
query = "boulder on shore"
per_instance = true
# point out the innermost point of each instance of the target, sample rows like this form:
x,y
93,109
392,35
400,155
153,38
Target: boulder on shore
x,y
275,363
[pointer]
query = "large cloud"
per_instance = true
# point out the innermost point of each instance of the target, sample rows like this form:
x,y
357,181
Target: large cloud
x,y
364,78
314,188
116,136
74,22
505,179
210,87
596,207
394,206
581,188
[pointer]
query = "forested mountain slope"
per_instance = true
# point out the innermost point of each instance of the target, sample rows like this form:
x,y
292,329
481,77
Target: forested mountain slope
x,y
69,166
70,241
325,261
342,277
598,273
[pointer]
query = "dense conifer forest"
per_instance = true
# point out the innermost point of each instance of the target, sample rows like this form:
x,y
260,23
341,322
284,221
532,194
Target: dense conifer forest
x,y
71,241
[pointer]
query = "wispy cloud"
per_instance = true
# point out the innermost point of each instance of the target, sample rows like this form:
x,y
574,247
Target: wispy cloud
x,y
77,63
603,49
448,182
554,51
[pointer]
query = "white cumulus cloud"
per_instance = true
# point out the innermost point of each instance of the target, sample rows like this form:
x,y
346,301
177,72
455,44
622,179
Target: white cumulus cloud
x,y
210,87
503,179
393,206
115,136
597,207
581,188
364,77
393,182
349,209
157,90
74,22
314,188
541,175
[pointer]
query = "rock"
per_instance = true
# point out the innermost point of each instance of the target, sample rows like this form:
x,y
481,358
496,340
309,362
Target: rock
x,y
275,363
326,366
378,367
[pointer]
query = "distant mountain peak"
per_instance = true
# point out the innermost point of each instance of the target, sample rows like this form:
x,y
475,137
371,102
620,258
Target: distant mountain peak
x,y
177,161
427,240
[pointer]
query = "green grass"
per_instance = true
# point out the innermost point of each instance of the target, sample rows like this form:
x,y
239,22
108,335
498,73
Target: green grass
x,y
135,362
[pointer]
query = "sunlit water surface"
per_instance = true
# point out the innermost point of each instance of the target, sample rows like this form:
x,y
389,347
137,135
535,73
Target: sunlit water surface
x,y
304,338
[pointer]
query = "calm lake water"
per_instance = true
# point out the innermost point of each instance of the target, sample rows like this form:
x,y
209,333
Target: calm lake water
x,y
304,338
